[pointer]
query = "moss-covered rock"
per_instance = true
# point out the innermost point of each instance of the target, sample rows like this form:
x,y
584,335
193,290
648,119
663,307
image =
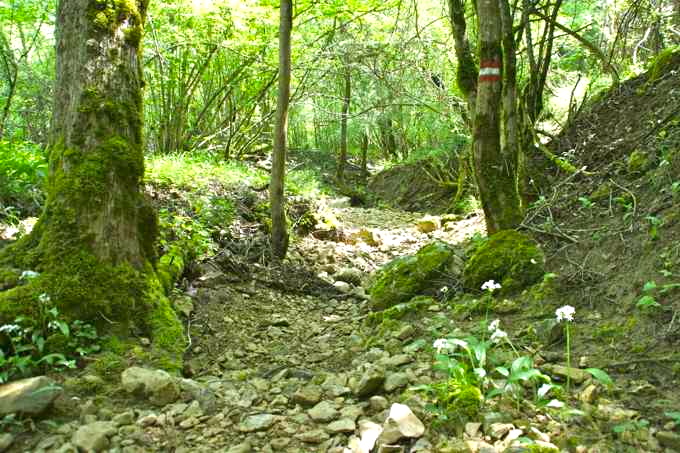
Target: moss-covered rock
x,y
638,162
405,277
508,257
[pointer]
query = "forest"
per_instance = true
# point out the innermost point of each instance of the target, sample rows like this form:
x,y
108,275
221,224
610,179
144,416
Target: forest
x,y
340,226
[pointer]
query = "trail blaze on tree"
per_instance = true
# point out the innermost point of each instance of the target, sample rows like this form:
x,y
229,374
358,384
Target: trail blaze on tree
x,y
495,172
94,242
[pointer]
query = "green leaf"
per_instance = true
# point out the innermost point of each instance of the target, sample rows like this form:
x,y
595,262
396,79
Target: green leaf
x,y
503,371
647,302
649,286
601,376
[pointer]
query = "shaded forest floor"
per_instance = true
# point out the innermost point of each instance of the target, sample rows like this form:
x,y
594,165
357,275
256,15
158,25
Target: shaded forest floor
x,y
280,358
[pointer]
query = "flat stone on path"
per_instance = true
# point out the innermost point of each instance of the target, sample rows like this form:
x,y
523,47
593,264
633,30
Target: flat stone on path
x,y
259,422
344,425
325,411
94,436
28,396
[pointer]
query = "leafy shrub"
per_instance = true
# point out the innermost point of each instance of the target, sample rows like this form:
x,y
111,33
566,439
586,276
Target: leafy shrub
x,y
23,169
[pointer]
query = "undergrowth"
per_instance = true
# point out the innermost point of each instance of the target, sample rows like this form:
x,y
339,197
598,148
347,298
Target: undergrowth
x,y
23,169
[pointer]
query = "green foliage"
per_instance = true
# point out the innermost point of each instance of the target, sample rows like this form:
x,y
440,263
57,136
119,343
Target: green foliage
x,y
474,371
23,169
45,342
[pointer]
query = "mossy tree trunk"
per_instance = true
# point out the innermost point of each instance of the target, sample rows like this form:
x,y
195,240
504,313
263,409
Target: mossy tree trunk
x,y
495,172
279,235
94,242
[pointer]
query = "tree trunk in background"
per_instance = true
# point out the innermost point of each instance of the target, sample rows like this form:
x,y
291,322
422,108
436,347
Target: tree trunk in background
x,y
364,154
466,79
342,158
94,244
495,175
279,227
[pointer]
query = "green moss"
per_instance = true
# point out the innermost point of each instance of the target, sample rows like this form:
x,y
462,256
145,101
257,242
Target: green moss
x,y
170,267
638,162
9,278
399,311
405,277
508,257
108,365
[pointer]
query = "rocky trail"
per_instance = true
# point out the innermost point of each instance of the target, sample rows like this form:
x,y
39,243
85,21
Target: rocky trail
x,y
279,357
289,358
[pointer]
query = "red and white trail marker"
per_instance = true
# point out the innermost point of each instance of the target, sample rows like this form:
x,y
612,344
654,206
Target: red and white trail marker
x,y
490,71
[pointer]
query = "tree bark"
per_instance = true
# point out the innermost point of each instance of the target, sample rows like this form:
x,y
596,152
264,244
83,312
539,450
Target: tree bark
x,y
347,93
279,235
94,244
495,175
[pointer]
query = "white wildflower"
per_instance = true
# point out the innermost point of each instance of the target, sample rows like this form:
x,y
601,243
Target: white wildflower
x,y
490,286
9,328
441,343
494,325
27,275
44,298
565,313
557,404
544,389
498,335
444,289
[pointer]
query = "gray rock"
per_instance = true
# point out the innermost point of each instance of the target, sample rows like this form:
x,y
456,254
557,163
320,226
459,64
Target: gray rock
x,y
315,436
576,375
398,360
404,332
28,396
396,381
370,383
126,418
352,412
669,439
495,417
245,447
6,441
343,287
193,391
94,436
349,275
259,422
401,423
378,403
344,425
325,411
156,385
308,395
280,443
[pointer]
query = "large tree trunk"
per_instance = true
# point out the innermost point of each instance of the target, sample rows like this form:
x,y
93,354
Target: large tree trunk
x,y
495,173
279,228
94,243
